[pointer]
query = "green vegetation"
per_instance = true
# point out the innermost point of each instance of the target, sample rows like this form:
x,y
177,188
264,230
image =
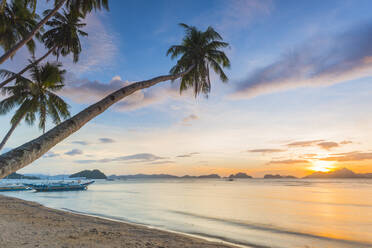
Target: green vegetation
x,y
89,174
35,96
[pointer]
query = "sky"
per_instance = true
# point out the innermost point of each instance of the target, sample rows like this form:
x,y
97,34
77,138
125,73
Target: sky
x,y
297,101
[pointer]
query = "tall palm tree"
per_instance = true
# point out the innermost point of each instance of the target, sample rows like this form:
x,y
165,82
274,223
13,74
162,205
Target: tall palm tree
x,y
198,51
35,96
16,22
81,6
61,39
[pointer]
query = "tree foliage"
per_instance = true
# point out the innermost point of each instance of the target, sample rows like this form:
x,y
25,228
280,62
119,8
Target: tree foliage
x,y
199,50
36,97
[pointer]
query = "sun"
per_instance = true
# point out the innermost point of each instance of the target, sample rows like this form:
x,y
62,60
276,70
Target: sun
x,y
323,166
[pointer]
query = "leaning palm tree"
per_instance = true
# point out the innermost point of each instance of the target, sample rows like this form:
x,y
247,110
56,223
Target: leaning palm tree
x,y
35,97
16,22
199,50
80,6
62,39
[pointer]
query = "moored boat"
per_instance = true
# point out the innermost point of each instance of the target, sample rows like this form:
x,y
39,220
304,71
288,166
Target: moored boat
x,y
14,187
60,186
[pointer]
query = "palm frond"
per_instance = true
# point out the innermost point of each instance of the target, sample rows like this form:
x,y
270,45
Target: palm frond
x,y
199,50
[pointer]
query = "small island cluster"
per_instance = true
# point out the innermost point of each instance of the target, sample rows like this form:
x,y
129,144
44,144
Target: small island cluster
x,y
97,174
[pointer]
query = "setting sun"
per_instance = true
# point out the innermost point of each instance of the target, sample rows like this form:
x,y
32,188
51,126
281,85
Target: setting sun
x,y
323,166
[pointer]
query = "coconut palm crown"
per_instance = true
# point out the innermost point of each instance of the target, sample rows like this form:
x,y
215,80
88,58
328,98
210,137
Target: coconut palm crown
x,y
64,34
37,96
16,22
86,6
199,50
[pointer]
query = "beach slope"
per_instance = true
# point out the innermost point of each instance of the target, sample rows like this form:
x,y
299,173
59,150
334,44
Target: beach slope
x,y
29,224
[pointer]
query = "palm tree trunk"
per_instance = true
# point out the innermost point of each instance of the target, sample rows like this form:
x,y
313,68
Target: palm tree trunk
x,y
27,153
2,84
9,133
17,46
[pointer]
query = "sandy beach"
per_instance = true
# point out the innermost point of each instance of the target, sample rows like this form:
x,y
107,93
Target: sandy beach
x,y
29,224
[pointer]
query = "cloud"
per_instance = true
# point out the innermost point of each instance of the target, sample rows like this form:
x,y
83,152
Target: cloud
x,y
266,150
80,142
135,158
186,121
106,140
100,47
240,13
163,162
350,156
303,143
289,161
309,155
233,15
50,154
85,91
320,61
327,145
74,152
188,155
346,142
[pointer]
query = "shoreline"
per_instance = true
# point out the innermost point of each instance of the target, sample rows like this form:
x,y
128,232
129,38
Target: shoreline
x,y
30,224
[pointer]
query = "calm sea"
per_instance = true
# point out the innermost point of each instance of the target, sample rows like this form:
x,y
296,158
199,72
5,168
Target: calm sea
x,y
254,212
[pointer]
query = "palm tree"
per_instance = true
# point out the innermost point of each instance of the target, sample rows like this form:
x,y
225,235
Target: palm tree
x,y
199,50
16,22
35,97
80,6
61,39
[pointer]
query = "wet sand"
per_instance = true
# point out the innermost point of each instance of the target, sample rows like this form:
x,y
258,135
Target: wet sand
x,y
29,224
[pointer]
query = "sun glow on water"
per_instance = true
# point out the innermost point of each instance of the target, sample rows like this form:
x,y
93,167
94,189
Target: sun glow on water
x,y
322,166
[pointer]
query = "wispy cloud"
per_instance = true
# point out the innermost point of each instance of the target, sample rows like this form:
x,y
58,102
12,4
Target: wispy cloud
x,y
74,152
346,142
100,47
304,143
163,162
106,140
350,156
80,142
321,61
135,158
233,15
289,161
267,150
327,145
188,119
50,154
188,155
85,91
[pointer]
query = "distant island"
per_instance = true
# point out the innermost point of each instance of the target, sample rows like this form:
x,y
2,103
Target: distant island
x,y
339,173
277,176
162,176
97,174
20,176
240,175
89,174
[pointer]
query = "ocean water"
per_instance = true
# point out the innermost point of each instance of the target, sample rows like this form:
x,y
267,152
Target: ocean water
x,y
252,212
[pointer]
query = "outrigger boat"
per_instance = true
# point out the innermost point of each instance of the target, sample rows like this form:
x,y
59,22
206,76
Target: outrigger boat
x,y
60,186
14,187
